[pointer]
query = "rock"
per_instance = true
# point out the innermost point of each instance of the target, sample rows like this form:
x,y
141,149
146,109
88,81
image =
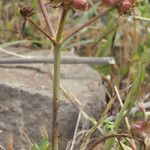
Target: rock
x,y
26,100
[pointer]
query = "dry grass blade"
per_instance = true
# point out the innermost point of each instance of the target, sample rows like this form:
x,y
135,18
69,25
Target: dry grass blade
x,y
77,103
2,148
14,54
126,119
92,130
76,129
118,136
128,104
78,139
26,136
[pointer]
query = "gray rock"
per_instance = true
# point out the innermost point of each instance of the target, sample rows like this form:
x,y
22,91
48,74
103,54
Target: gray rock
x,y
26,100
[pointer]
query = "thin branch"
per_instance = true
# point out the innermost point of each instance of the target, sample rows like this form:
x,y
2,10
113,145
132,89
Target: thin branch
x,y
130,143
62,20
86,24
64,60
142,18
52,40
47,18
115,136
103,36
120,143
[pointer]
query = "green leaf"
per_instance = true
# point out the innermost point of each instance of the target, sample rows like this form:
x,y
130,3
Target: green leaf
x,y
125,147
12,43
35,147
45,145
107,125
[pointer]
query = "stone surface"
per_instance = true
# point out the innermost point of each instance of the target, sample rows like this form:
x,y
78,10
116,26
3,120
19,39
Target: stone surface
x,y
26,99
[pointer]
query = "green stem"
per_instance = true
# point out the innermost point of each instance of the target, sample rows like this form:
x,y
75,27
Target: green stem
x,y
56,96
62,24
128,104
56,84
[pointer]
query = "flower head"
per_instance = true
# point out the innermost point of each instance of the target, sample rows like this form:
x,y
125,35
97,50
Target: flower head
x,y
80,5
124,6
26,11
73,4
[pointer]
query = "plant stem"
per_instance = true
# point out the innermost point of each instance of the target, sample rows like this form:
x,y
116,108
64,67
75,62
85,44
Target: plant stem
x,y
47,18
128,104
56,96
61,24
57,56
126,119
100,140
76,30
56,84
35,25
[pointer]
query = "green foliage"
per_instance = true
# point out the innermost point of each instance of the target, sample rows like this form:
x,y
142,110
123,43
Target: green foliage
x,y
107,126
142,54
35,147
139,115
145,9
44,146
128,104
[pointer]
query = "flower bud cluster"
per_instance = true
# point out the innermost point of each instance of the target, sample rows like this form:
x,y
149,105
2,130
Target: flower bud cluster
x,y
74,4
26,11
123,6
80,5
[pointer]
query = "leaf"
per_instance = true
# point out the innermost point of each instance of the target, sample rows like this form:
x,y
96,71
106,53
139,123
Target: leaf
x,y
35,147
12,43
125,147
128,104
45,145
131,97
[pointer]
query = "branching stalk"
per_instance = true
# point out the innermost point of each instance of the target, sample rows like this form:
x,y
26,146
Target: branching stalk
x,y
57,43
61,24
47,18
86,24
51,39
56,84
